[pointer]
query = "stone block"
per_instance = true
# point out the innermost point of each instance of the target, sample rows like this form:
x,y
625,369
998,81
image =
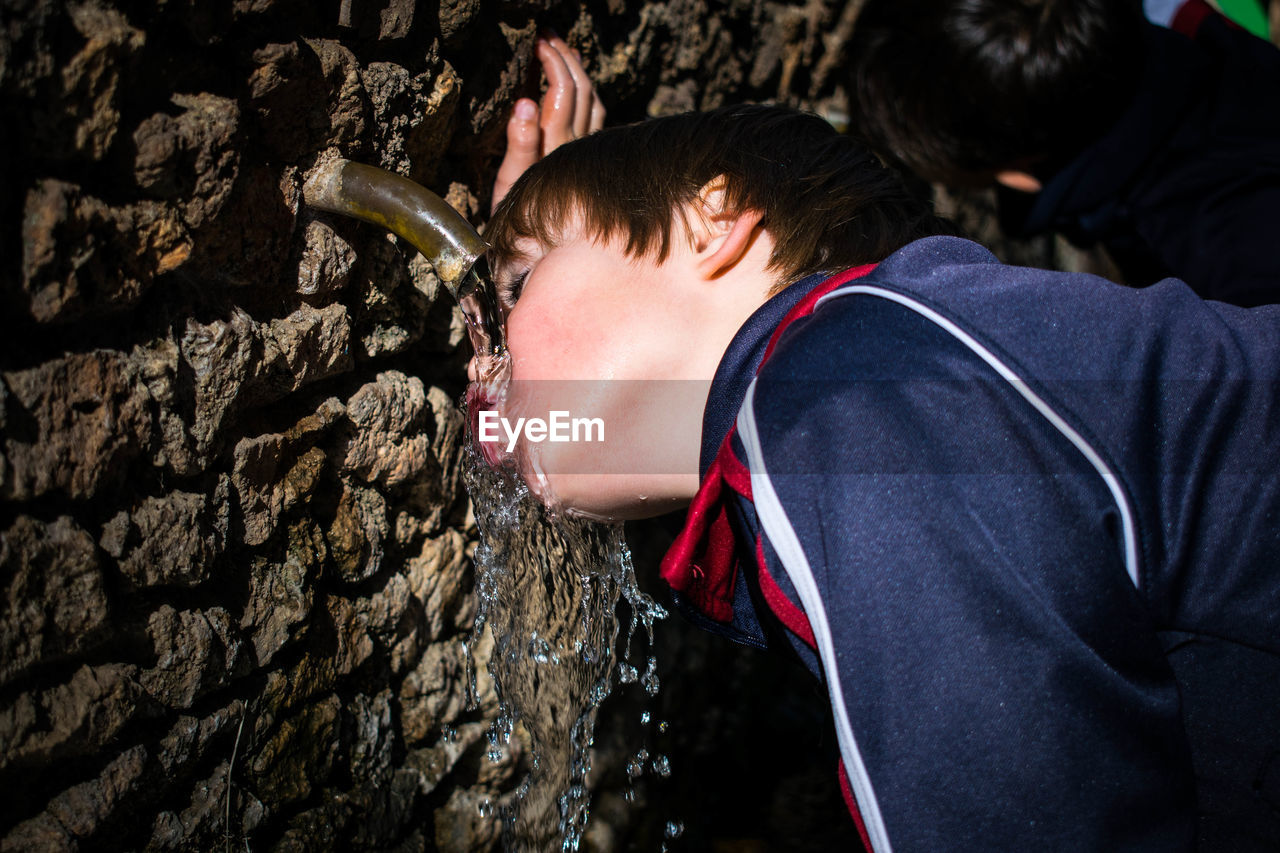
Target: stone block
x,y
202,824
352,644
171,540
275,472
79,255
74,425
308,345
191,158
325,266
298,757
196,651
373,735
43,833
440,580
55,603
82,808
393,624
357,532
236,363
434,694
456,16
388,445
281,593
189,738
76,113
395,19
218,358
414,116
76,718
348,104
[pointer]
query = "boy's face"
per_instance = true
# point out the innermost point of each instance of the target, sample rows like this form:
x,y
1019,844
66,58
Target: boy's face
x,y
605,340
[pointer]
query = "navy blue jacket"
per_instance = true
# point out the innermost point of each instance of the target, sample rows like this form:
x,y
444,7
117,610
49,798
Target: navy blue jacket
x,y
976,499
1187,182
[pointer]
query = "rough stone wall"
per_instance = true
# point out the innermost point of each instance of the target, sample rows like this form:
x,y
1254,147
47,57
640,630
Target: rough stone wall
x,y
235,549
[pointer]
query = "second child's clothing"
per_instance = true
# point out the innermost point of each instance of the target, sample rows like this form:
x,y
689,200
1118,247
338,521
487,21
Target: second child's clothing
x,y
1187,181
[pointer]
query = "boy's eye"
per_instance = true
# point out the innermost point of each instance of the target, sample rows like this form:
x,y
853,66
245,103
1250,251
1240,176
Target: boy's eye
x,y
509,291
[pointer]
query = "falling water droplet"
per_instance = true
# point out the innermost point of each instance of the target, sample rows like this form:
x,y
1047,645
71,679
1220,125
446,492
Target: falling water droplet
x,y
650,680
636,765
674,829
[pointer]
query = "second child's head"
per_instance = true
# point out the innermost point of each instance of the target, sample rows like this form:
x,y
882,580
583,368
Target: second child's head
x,y
631,257
966,91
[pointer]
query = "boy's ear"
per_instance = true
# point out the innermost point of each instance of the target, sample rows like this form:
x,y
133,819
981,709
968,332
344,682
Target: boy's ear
x,y
720,237
1015,179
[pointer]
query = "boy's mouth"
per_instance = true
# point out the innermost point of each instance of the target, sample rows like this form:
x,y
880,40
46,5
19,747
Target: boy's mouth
x,y
490,377
478,401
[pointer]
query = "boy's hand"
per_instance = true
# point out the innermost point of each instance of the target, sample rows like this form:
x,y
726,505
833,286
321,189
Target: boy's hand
x,y
570,109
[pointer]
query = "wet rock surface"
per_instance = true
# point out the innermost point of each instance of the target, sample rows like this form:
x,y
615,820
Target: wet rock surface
x,y
234,545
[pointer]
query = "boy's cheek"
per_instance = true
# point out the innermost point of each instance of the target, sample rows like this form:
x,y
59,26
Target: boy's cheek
x,y
542,347
525,340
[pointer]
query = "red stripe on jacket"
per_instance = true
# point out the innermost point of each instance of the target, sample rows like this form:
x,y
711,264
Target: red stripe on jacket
x,y
702,562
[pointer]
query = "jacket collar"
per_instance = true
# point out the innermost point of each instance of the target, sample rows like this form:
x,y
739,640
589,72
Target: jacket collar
x,y
702,563
741,360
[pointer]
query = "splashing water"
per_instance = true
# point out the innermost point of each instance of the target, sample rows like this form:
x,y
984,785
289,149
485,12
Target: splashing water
x,y
548,588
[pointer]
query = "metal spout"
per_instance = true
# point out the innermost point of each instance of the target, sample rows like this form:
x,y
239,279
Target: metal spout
x,y
435,229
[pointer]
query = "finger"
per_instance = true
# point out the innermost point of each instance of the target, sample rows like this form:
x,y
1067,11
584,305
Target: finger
x,y
597,113
560,100
584,91
523,148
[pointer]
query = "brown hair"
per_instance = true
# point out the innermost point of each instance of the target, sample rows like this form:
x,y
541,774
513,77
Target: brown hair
x,y
825,199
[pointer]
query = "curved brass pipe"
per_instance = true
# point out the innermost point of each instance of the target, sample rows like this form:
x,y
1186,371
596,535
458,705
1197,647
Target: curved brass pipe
x,y
435,229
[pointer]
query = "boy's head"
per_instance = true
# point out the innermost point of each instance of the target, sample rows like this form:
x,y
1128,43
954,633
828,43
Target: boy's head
x,y
824,199
959,90
631,257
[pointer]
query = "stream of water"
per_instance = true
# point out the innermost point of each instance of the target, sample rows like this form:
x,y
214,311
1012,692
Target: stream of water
x,y
551,589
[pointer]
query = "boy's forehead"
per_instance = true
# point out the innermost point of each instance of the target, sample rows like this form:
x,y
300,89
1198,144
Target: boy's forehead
x,y
517,252
524,248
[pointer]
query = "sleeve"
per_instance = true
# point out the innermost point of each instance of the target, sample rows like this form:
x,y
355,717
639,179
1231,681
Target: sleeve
x,y
996,681
1223,244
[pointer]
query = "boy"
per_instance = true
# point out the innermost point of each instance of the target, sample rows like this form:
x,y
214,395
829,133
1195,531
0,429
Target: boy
x,y
1163,145
969,497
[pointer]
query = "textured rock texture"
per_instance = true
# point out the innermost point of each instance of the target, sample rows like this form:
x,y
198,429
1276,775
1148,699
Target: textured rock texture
x,y
235,553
